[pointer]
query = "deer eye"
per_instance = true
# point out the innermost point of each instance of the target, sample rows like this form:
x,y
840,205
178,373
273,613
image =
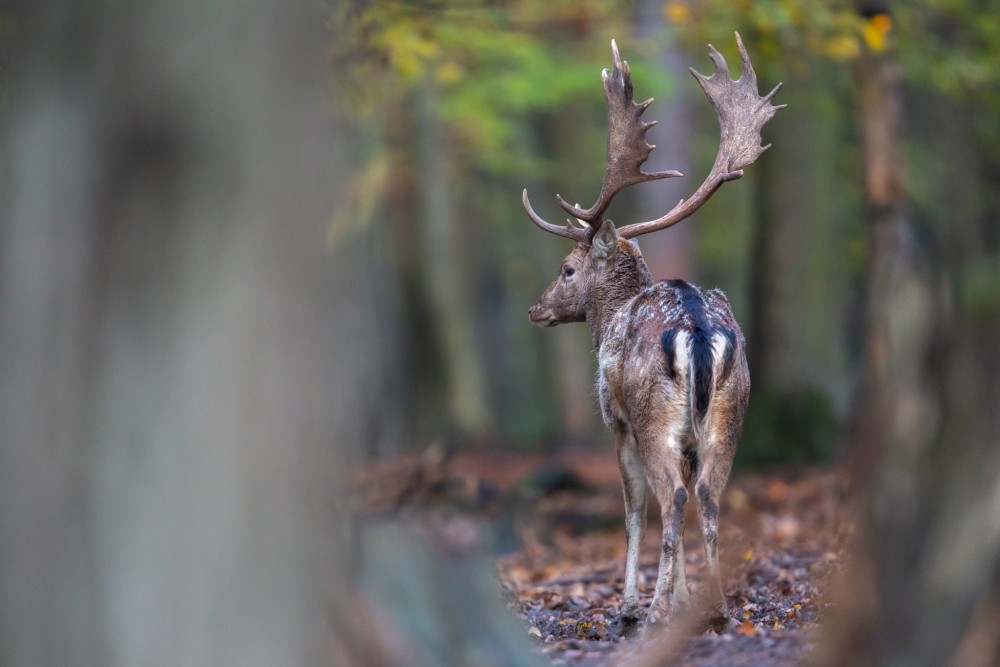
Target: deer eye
x,y
568,271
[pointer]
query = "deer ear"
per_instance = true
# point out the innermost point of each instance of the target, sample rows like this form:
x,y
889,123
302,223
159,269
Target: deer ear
x,y
605,242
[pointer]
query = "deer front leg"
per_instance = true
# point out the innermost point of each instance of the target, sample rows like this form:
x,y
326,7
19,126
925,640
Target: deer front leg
x,y
634,488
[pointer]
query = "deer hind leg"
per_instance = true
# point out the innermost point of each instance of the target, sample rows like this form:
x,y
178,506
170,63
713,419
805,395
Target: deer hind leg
x,y
717,459
682,596
664,470
634,487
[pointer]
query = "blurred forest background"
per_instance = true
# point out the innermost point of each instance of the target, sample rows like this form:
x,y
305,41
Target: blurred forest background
x,y
460,105
246,246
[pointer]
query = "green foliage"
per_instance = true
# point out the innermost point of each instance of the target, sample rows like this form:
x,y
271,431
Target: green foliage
x,y
979,290
513,88
947,46
491,64
783,33
953,47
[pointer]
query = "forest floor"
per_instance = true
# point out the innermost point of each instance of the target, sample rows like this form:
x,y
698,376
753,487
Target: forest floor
x,y
782,536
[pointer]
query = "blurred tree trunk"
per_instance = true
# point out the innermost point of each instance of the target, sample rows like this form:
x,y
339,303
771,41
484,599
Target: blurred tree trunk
x,y
787,218
925,584
902,307
447,292
796,275
767,335
400,398
571,369
183,359
169,355
668,254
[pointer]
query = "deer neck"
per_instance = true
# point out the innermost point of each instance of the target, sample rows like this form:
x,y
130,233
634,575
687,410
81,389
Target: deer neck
x,y
627,278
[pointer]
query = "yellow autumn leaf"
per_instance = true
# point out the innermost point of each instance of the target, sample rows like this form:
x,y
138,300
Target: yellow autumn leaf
x,y
876,31
408,50
449,73
882,22
841,48
677,12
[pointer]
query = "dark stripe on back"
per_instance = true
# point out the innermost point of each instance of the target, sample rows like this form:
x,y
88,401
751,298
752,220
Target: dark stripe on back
x,y
701,345
667,341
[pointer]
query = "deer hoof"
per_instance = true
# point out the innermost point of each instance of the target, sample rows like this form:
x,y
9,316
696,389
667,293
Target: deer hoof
x,y
628,625
658,614
717,620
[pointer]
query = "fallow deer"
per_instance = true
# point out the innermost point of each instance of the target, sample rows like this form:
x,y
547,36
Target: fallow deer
x,y
672,380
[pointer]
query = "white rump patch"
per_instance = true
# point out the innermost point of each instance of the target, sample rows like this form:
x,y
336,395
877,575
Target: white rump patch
x,y
719,343
682,353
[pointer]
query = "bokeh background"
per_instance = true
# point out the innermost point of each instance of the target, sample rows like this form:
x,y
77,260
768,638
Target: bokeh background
x,y
466,103
247,247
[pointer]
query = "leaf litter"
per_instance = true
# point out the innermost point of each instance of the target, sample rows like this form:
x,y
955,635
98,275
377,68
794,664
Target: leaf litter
x,y
782,536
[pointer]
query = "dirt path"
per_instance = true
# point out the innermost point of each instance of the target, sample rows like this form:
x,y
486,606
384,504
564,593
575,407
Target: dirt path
x,y
782,537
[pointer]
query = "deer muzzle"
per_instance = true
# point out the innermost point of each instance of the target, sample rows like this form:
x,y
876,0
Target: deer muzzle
x,y
541,316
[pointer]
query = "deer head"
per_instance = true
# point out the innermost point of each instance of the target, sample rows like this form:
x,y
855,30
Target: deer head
x,y
599,257
575,289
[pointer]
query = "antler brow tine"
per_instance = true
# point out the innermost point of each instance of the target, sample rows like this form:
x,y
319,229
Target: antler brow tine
x,y
567,231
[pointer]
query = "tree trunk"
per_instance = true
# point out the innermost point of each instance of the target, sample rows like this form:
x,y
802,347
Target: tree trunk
x,y
169,355
668,254
902,308
183,359
924,586
447,293
788,295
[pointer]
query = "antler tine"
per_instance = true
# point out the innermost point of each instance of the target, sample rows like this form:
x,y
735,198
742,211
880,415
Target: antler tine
x,y
742,113
627,145
568,230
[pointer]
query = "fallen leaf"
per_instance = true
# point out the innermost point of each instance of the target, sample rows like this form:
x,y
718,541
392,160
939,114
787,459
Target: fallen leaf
x,y
778,491
786,528
746,629
737,498
535,632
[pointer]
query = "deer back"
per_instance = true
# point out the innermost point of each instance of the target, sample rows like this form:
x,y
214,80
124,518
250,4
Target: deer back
x,y
667,336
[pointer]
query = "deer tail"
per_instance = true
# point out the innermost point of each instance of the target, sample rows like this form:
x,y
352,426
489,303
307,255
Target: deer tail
x,y
701,375
711,360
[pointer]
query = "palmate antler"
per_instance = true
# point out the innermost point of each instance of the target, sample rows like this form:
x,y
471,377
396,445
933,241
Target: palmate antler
x,y
742,113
